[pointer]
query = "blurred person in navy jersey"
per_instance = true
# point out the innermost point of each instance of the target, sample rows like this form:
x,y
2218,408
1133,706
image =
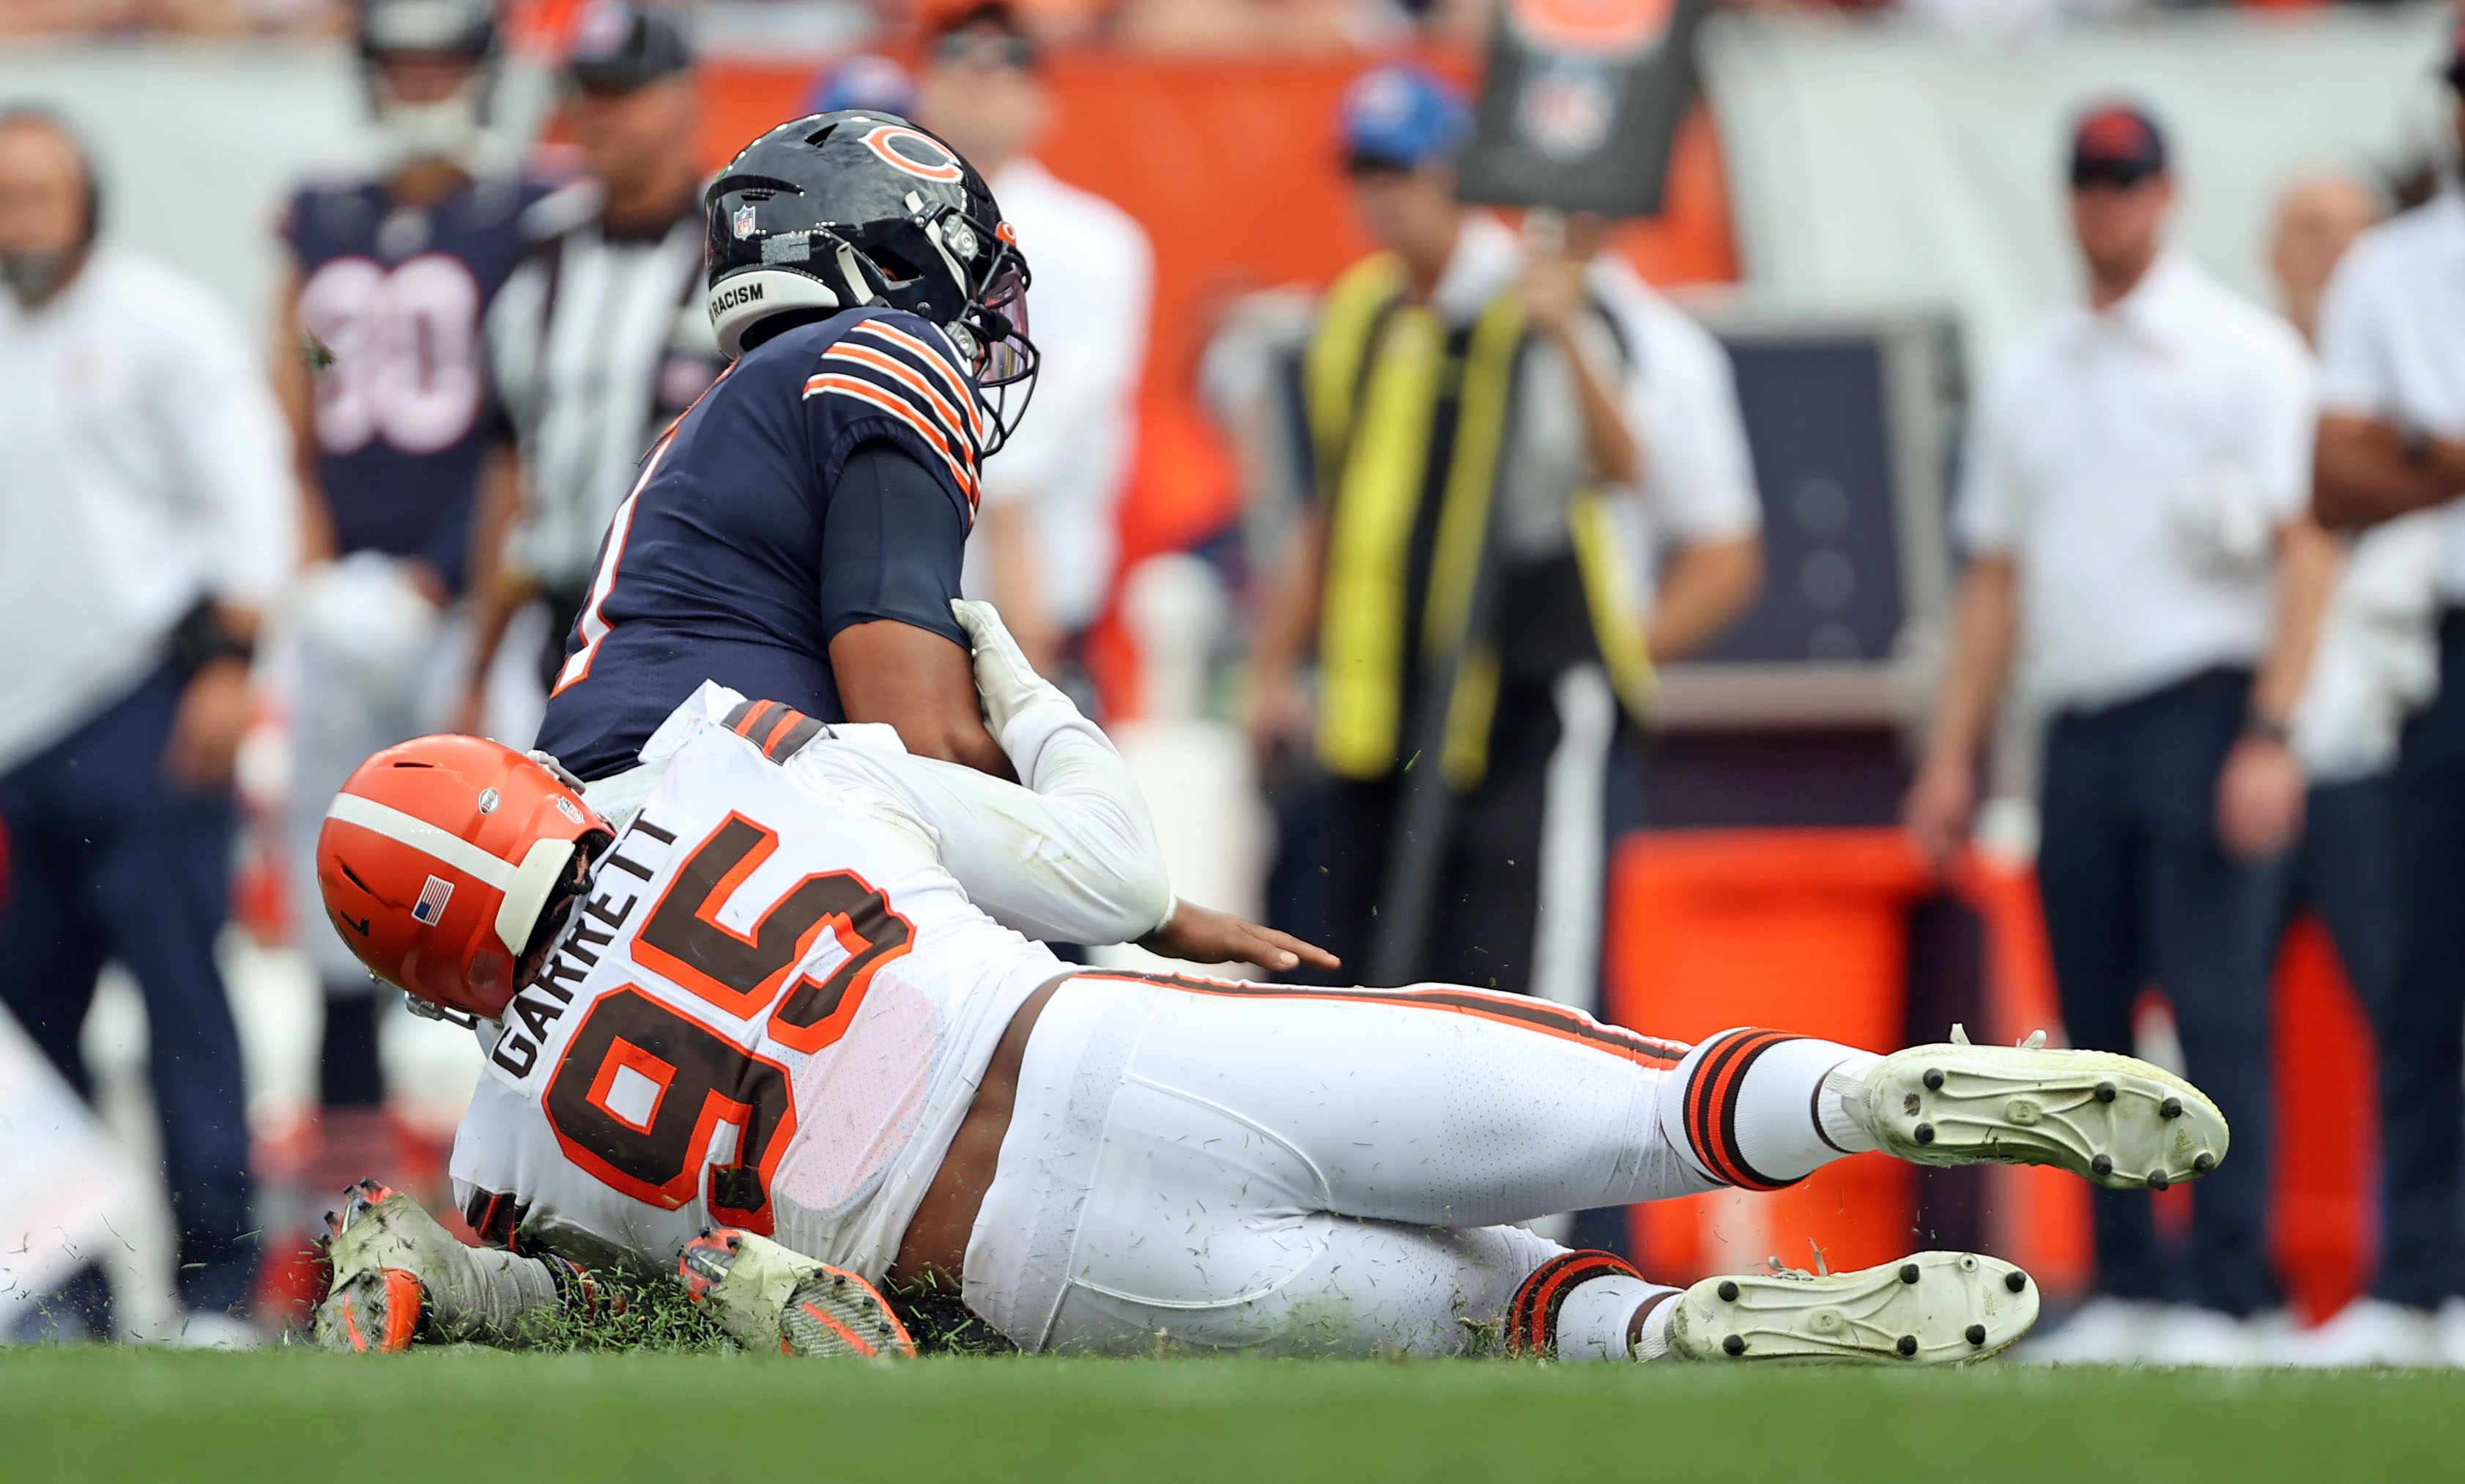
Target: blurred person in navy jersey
x,y
148,519
598,342
378,361
1046,548
2391,453
2134,516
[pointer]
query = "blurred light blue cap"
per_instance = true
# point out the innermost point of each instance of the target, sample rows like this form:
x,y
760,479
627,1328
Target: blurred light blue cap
x,y
1402,116
864,81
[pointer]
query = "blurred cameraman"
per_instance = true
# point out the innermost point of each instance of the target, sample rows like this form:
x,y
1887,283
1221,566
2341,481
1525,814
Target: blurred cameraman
x,y
147,520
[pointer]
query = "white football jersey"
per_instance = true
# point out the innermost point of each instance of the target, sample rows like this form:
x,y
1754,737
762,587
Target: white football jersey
x,y
770,1012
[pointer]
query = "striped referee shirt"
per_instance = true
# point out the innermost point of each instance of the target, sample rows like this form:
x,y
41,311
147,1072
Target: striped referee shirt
x,y
597,343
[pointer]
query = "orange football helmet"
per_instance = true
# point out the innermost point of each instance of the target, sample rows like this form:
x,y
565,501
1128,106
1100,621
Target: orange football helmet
x,y
438,858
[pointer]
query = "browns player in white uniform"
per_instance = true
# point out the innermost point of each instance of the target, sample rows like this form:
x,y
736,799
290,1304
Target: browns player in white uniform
x,y
762,1007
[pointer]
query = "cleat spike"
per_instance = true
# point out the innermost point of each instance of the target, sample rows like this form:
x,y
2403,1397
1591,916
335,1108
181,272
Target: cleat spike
x,y
1977,1333
2158,1180
2170,1108
1909,1345
1728,1291
1735,1344
1908,1272
2205,1162
2101,1165
2015,1280
2106,1092
1933,1079
1926,1133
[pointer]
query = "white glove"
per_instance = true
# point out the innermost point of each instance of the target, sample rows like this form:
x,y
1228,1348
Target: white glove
x,y
1005,683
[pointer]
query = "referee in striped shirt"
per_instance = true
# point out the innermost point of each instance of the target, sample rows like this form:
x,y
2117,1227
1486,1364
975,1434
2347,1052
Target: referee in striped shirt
x,y
599,340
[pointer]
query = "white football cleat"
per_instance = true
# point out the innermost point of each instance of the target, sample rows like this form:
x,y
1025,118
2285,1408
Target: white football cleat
x,y
375,1311
1927,1309
2122,1123
399,1275
769,1297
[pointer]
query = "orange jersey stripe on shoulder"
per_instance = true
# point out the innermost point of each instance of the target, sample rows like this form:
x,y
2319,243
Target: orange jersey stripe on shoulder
x,y
897,406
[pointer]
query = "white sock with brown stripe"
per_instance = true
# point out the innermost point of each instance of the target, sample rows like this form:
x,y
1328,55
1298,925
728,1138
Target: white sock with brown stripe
x,y
1789,1120
1597,1317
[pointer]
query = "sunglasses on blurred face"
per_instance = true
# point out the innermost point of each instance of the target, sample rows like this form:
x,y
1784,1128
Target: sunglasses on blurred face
x,y
986,50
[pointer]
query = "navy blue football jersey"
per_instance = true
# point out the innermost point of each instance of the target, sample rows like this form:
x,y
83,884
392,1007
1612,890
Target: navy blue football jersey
x,y
396,295
827,478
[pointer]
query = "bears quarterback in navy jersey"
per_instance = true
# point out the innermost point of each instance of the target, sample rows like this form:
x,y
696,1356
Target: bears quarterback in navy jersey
x,y
797,534
861,274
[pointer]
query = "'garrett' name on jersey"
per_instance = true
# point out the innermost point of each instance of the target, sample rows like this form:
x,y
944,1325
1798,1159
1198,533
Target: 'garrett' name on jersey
x,y
769,1012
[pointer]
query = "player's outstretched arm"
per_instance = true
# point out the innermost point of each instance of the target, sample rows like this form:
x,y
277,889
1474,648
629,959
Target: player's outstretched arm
x,y
1062,756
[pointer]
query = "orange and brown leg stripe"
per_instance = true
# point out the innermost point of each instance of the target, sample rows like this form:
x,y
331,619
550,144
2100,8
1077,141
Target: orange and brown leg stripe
x,y
1711,1106
1523,1012
779,730
1532,1316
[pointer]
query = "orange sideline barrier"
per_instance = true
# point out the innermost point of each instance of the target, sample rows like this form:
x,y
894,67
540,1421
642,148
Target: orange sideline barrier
x,y
1806,930
1803,929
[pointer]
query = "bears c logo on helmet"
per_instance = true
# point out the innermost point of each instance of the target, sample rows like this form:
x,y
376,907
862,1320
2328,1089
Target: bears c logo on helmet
x,y
917,153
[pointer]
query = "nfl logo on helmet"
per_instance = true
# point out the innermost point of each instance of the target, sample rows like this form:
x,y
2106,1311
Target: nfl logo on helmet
x,y
743,220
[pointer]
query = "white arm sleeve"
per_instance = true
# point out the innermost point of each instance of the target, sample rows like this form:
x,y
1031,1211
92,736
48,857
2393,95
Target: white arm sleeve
x,y
1069,856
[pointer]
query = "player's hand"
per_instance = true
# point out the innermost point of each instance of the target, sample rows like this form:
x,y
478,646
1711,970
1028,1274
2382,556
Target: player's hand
x,y
1202,935
1938,809
2260,799
206,732
1005,683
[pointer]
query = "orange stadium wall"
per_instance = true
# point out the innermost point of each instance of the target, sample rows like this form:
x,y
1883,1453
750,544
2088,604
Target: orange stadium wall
x,y
1807,929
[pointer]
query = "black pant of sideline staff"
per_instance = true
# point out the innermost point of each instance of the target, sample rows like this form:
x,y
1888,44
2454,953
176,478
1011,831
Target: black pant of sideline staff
x,y
1484,928
110,862
2422,1027
2137,889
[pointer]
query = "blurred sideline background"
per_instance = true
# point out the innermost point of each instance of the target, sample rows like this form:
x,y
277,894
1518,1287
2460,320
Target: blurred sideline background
x,y
1867,209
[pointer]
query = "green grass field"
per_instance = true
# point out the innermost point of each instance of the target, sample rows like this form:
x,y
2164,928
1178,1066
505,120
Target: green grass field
x,y
453,1415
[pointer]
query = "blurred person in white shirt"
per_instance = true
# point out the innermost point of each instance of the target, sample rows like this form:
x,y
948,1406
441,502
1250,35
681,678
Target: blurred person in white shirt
x,y
2134,511
1047,537
2391,452
147,516
2377,661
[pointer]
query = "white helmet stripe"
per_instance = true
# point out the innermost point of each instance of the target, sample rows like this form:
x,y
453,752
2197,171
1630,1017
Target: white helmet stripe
x,y
421,836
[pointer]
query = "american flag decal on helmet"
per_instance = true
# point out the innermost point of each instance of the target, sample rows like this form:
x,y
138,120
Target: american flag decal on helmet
x,y
433,899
